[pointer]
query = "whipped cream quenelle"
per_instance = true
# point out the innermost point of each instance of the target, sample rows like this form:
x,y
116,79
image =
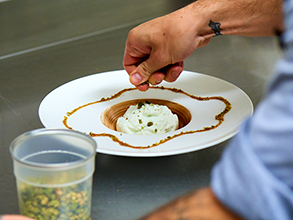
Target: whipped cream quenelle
x,y
146,118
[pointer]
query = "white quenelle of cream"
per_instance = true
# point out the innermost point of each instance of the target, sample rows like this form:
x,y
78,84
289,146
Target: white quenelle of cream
x,y
146,119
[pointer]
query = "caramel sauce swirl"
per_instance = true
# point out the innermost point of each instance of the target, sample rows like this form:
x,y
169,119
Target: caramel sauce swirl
x,y
219,117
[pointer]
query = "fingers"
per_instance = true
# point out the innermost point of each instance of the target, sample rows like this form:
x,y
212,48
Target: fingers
x,y
146,68
174,72
143,87
140,77
133,58
169,73
156,78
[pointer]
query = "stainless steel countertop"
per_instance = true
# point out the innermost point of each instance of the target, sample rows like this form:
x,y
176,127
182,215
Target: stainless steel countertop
x,y
44,45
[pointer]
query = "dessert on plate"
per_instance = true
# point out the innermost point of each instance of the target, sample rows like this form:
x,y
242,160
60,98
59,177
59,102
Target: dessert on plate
x,y
146,118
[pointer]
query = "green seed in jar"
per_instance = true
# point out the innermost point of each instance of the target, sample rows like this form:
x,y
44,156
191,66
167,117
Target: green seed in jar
x,y
60,203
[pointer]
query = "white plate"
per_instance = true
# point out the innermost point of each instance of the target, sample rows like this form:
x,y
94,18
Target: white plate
x,y
92,88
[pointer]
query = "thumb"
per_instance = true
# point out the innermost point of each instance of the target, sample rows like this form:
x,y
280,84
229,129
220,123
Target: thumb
x,y
145,69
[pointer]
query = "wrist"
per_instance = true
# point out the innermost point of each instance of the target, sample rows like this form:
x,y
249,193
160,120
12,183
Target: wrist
x,y
244,17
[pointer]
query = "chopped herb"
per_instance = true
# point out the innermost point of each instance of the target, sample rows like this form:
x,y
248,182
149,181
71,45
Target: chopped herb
x,y
140,104
146,82
150,124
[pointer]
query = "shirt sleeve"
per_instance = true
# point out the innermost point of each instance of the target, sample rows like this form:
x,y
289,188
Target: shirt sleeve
x,y
255,174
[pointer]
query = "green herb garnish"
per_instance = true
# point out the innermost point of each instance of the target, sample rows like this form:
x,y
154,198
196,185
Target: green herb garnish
x,y
140,104
150,124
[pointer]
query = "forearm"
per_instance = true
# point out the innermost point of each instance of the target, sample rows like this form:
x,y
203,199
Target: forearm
x,y
242,17
201,204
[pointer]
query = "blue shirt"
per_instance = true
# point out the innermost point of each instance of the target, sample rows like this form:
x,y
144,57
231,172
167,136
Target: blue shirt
x,y
255,174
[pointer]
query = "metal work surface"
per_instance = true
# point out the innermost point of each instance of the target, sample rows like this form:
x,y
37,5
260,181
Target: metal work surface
x,y
46,44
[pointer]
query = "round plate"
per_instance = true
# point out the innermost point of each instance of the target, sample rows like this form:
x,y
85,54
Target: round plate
x,y
90,89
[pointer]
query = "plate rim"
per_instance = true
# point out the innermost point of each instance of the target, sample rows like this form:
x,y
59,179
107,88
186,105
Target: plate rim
x,y
232,132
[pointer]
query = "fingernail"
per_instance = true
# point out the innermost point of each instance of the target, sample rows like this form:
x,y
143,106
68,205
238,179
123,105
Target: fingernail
x,y
158,81
136,78
174,74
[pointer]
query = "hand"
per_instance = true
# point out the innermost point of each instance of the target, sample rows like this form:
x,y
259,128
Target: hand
x,y
155,50
201,204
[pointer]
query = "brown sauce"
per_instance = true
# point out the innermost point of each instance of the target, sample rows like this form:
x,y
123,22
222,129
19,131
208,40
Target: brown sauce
x,y
219,117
